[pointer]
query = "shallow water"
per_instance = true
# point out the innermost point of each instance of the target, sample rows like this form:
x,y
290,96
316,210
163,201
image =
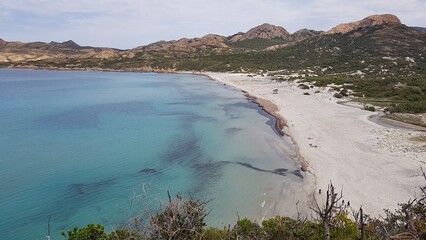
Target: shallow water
x,y
96,147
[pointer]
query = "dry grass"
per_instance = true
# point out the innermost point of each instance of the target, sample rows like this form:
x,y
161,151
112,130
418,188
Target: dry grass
x,y
419,139
414,119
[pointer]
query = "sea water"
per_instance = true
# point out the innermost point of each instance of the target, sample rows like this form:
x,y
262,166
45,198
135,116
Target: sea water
x,y
102,147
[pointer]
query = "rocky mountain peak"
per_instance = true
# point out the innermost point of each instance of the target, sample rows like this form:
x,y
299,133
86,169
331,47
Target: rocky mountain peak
x,y
422,29
2,43
68,44
186,45
370,21
71,44
303,34
265,31
214,37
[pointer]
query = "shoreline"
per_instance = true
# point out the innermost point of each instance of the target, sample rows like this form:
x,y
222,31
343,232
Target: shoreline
x,y
280,123
271,109
376,166
386,122
302,195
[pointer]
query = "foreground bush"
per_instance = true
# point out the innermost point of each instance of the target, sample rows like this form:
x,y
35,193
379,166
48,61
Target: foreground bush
x,y
184,219
180,219
91,232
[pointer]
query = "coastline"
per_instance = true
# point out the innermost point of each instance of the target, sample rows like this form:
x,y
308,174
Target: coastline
x,y
376,166
280,124
272,109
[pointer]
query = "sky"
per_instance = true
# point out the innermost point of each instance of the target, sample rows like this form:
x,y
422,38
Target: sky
x,y
126,24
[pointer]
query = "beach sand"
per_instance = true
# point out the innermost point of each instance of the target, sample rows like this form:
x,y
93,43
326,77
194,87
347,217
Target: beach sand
x,y
376,166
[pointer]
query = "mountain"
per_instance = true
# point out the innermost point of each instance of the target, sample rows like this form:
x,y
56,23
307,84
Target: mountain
x,y
371,21
68,44
419,28
185,46
375,42
303,34
377,57
29,53
264,31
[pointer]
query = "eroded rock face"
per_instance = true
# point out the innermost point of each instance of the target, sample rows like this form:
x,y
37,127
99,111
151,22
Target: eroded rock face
x,y
2,42
209,41
265,31
374,20
303,34
36,51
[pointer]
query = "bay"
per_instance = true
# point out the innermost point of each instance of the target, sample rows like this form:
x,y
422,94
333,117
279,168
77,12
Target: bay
x,y
102,147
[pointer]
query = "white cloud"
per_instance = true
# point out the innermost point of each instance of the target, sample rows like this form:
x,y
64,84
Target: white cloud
x,y
129,23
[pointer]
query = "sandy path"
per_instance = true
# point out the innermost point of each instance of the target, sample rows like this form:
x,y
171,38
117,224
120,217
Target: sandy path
x,y
341,145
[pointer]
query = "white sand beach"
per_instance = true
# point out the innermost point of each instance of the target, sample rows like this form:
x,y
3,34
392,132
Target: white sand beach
x,y
378,167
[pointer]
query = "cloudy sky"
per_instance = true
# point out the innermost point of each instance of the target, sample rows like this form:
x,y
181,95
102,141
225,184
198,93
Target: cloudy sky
x,y
130,23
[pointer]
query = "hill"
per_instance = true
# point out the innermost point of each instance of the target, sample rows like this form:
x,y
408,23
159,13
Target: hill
x,y
377,42
378,50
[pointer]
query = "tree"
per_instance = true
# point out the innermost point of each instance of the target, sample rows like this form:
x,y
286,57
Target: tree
x,y
180,219
333,208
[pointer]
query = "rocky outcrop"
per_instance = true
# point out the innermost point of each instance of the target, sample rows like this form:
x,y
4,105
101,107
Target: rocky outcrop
x,y
2,43
422,29
67,44
172,54
185,45
303,34
265,31
374,20
36,51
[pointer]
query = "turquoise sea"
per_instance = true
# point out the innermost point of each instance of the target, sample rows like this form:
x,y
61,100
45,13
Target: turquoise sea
x,y
101,147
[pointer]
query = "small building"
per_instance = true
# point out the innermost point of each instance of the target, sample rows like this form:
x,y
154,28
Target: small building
x,y
275,91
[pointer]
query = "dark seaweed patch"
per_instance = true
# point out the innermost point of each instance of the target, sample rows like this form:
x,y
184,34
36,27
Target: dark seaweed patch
x,y
233,130
186,103
91,188
77,195
88,116
231,110
148,171
188,118
206,173
278,171
281,171
183,150
297,173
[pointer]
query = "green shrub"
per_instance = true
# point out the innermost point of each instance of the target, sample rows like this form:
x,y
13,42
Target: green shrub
x,y
246,229
337,95
410,107
214,234
344,92
92,231
303,86
286,228
369,108
344,228
184,219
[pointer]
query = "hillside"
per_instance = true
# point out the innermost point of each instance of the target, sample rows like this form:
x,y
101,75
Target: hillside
x,y
38,53
378,48
376,42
